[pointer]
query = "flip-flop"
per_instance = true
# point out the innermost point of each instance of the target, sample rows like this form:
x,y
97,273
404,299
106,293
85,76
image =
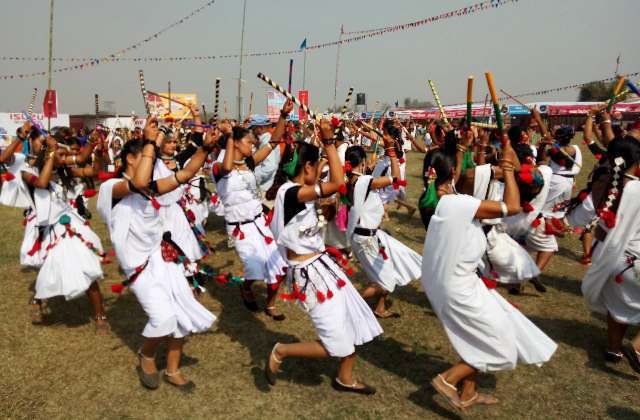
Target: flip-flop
x,y
270,375
479,399
632,357
440,385
387,314
365,390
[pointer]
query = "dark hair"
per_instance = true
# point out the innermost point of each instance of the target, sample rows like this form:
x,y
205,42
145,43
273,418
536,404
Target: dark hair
x,y
238,133
132,147
450,143
443,164
564,134
34,134
515,134
306,153
394,132
355,155
628,148
523,151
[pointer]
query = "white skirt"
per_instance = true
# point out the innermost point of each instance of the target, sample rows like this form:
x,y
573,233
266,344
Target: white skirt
x,y
30,256
488,332
510,260
622,297
402,265
342,321
69,267
538,240
583,214
260,260
168,301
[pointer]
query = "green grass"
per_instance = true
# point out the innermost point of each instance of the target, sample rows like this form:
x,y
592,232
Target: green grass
x,y
62,370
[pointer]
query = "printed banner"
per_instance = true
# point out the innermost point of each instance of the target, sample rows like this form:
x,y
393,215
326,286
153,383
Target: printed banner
x,y
170,110
303,95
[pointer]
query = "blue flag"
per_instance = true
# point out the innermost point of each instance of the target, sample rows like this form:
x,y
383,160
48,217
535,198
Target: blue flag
x,y
303,46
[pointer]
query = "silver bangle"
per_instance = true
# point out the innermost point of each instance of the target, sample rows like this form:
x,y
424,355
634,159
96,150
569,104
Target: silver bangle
x,y
503,208
318,190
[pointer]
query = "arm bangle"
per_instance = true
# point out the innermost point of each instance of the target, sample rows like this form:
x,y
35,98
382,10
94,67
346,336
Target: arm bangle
x,y
503,208
606,122
318,190
175,176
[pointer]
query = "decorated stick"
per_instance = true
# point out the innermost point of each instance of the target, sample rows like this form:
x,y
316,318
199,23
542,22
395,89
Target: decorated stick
x,y
633,87
97,98
32,104
483,125
616,90
287,94
250,104
469,99
184,104
290,73
216,102
484,107
494,99
557,147
204,113
143,89
443,115
226,109
513,99
343,110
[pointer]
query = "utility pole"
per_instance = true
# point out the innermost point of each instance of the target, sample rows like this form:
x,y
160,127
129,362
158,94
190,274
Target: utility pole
x,y
335,88
244,14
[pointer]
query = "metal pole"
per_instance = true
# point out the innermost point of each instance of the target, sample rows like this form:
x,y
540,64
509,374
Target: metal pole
x,y
169,91
304,71
50,82
244,13
335,88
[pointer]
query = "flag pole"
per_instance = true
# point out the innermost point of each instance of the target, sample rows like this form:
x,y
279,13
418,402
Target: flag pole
x,y
335,88
50,82
304,70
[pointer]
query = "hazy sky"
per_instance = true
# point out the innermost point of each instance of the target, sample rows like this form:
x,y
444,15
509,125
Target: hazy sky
x,y
530,45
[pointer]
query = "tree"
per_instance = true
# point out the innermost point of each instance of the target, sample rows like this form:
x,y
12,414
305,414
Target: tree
x,y
597,92
415,103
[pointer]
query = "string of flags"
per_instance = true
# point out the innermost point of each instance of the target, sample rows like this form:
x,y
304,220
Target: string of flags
x,y
87,63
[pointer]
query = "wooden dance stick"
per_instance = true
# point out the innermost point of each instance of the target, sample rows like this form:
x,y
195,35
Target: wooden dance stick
x,y
343,110
484,107
469,100
494,99
204,112
97,98
633,87
513,99
287,94
216,102
32,104
616,90
483,125
250,104
443,115
143,89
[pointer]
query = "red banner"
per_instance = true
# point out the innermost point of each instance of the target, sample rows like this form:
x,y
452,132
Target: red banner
x,y
303,95
50,104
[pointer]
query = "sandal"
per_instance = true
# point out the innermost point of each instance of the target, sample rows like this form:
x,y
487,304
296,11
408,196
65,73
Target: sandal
x,y
538,285
612,356
35,311
633,357
276,317
270,375
148,380
364,389
386,314
188,387
249,299
442,387
479,399
102,328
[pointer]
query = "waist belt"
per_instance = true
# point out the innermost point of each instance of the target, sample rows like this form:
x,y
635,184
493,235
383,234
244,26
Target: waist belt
x,y
365,232
244,222
567,176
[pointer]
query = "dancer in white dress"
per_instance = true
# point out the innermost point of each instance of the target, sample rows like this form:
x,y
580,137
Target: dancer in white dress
x,y
243,213
148,256
341,317
386,261
69,253
612,284
486,331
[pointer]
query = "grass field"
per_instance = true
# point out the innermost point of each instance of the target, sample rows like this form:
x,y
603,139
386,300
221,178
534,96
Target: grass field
x,y
62,370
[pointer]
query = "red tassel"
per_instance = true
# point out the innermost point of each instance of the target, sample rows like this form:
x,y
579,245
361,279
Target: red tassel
x,y
111,253
335,121
349,272
87,223
583,195
268,240
535,223
491,284
527,207
117,288
383,252
105,260
280,278
90,193
214,199
320,296
105,176
619,279
8,176
35,248
609,218
329,294
597,156
347,167
155,203
548,229
302,297
215,169
401,160
268,218
557,224
343,189
341,283
526,177
222,279
190,216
